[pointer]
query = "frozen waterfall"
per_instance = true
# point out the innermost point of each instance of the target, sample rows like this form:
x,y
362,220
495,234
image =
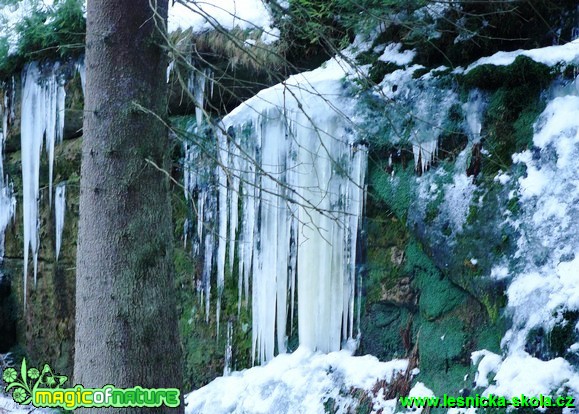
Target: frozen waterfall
x,y
288,183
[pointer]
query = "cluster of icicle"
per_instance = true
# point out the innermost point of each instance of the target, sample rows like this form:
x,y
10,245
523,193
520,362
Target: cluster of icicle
x,y
7,199
280,208
424,153
43,104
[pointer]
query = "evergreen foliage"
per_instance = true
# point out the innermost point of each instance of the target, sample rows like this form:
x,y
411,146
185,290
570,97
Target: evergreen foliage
x,y
48,33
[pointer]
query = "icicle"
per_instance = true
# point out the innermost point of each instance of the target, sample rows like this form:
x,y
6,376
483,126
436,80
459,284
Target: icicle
x,y
42,116
424,153
185,233
196,86
7,209
7,199
221,172
82,73
170,69
228,350
474,109
288,196
59,209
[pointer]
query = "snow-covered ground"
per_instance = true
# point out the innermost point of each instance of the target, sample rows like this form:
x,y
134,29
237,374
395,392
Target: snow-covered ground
x,y
301,382
8,406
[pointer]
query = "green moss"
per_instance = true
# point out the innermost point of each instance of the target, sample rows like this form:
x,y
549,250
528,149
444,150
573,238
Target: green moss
x,y
493,305
523,70
418,73
438,295
381,69
452,139
385,233
366,58
442,347
433,208
53,34
396,190
562,336
509,125
514,205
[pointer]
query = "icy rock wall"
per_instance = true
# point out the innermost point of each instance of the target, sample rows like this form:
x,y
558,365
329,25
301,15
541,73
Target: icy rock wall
x,y
43,99
7,199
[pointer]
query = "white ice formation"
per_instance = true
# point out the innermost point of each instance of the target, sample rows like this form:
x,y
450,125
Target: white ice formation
x,y
285,210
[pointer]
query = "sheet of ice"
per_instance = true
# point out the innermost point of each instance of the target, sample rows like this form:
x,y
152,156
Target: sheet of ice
x,y
227,14
59,212
550,55
301,382
42,120
310,171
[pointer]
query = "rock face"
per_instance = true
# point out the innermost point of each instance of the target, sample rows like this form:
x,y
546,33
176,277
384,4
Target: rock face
x,y
46,330
436,228
408,300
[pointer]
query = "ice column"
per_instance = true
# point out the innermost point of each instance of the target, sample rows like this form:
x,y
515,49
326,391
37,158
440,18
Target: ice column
x,y
42,118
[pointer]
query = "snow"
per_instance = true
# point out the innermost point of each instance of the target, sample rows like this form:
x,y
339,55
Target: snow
x,y
418,390
523,374
551,55
300,382
544,282
488,363
227,14
7,405
502,178
184,14
499,272
392,54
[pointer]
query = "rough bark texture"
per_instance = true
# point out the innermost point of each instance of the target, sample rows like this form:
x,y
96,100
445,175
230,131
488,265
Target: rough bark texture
x,y
126,318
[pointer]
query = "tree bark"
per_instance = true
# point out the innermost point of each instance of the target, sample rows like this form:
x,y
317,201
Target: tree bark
x,y
126,316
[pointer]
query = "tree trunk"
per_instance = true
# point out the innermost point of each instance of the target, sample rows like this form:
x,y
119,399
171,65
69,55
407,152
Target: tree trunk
x,y
126,317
